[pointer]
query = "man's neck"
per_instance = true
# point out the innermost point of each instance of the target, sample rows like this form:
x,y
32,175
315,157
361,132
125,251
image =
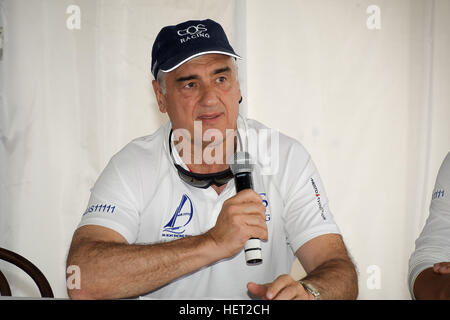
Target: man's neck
x,y
213,158
219,189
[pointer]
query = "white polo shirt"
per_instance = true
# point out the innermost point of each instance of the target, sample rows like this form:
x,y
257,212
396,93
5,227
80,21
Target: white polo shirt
x,y
433,244
140,195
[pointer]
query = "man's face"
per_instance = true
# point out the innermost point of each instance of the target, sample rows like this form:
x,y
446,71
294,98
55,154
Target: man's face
x,y
204,89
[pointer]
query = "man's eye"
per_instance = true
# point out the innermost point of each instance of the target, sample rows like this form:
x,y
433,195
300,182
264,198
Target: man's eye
x,y
221,79
189,85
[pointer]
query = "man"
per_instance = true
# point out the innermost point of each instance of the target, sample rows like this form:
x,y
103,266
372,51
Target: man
x,y
164,222
429,265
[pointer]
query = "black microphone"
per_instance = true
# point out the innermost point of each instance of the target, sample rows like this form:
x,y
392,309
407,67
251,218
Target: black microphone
x,y
242,168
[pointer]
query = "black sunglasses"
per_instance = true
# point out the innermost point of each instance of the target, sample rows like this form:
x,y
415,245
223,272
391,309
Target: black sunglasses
x,y
200,180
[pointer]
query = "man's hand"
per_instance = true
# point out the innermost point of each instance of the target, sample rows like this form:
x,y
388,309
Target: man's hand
x,y
242,217
442,268
433,283
283,288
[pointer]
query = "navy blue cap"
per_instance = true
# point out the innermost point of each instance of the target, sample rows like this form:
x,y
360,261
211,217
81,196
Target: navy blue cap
x,y
177,44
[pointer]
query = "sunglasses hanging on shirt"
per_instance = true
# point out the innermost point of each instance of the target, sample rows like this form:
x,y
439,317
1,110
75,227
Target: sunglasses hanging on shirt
x,y
204,180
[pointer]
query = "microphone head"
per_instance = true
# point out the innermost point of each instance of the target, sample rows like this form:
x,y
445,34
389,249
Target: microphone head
x,y
241,162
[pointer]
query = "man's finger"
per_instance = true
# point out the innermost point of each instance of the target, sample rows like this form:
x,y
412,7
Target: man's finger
x,y
258,290
256,209
247,195
442,268
276,286
287,293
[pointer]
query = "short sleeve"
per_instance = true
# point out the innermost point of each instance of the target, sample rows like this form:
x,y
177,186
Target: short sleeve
x,y
112,204
307,214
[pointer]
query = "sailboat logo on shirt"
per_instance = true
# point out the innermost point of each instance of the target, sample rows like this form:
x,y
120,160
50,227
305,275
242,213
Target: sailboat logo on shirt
x,y
180,219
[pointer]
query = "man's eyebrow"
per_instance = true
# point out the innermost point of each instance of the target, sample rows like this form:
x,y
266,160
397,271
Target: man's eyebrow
x,y
194,76
222,70
186,78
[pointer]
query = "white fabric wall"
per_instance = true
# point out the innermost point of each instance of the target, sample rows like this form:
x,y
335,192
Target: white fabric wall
x,y
70,99
371,106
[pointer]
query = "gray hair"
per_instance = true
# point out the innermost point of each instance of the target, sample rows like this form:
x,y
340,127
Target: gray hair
x,y
161,79
161,76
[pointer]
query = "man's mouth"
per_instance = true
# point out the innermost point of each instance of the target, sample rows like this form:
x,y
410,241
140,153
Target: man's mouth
x,y
209,117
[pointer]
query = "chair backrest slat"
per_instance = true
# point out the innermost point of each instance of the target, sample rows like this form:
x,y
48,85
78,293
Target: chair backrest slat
x,y
27,266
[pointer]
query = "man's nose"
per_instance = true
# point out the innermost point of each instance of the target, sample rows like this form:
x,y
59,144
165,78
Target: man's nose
x,y
209,96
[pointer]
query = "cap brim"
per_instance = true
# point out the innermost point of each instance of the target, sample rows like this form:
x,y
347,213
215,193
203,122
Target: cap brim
x,y
168,69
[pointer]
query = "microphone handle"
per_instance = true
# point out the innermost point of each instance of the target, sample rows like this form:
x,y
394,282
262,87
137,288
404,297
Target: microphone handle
x,y
252,248
243,181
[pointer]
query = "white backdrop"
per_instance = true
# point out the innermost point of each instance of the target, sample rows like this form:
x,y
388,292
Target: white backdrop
x,y
366,91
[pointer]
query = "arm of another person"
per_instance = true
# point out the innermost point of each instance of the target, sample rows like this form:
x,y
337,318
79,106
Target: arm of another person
x,y
433,244
433,283
329,269
111,268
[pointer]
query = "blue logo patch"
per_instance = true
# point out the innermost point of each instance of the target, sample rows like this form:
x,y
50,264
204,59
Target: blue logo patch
x,y
438,194
265,204
180,219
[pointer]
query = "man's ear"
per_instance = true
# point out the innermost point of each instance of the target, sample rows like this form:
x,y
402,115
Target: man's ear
x,y
240,93
160,98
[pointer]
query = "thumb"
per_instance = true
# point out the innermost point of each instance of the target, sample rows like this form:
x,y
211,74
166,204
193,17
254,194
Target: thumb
x,y
258,290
